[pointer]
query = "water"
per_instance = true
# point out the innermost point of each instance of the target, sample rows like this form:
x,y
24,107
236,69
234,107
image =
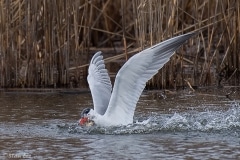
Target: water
x,y
178,126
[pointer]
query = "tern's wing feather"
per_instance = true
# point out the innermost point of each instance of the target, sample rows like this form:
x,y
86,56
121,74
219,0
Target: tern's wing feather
x,y
99,83
132,77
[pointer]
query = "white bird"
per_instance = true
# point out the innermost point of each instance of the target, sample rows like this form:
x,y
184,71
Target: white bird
x,y
114,107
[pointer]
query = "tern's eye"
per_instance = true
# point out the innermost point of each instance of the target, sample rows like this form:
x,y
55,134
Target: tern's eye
x,y
85,111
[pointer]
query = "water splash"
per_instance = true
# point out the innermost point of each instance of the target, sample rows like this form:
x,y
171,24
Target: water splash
x,y
207,121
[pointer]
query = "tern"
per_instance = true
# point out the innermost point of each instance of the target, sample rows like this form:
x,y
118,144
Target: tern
x,y
115,106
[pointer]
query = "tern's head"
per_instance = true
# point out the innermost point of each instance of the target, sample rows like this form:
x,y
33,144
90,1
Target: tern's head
x,y
86,117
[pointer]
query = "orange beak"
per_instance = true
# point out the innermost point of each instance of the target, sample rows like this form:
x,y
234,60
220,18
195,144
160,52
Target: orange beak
x,y
83,121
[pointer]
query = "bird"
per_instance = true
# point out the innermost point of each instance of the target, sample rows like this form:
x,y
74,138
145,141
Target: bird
x,y
115,106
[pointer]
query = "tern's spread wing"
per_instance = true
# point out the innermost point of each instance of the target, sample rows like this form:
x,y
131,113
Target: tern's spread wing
x,y
99,83
132,77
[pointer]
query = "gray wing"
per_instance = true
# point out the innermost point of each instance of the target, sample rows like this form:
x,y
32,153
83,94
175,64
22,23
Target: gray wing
x,y
132,77
99,83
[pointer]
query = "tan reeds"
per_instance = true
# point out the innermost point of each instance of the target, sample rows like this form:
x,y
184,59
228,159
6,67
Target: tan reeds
x,y
49,43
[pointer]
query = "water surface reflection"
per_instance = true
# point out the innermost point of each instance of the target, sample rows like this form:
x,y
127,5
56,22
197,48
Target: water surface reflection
x,y
181,126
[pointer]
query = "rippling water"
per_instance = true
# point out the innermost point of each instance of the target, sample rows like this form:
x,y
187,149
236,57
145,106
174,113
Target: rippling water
x,y
178,126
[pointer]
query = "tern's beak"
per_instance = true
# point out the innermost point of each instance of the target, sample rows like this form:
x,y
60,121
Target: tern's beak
x,y
83,121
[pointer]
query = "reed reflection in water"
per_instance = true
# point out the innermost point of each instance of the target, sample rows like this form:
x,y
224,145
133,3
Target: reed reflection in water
x,y
181,126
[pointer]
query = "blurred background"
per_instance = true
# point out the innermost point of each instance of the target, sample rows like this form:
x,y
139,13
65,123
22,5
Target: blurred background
x,y
49,43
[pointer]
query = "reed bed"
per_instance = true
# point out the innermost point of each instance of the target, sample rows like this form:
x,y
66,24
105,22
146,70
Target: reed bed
x,y
48,43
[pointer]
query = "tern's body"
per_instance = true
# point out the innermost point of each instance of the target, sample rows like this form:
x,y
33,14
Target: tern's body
x,y
113,107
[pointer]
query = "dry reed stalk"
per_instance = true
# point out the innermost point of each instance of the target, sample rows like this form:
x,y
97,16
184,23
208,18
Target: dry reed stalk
x,y
226,53
123,5
41,46
110,59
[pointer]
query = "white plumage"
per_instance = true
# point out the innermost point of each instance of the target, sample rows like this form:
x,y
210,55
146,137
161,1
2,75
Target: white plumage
x,y
117,106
